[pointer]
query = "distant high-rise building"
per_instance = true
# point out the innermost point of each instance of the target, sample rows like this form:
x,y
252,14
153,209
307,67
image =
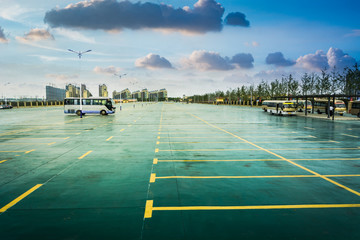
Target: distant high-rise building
x,y
154,95
136,94
144,94
103,91
162,94
73,91
53,93
85,93
126,94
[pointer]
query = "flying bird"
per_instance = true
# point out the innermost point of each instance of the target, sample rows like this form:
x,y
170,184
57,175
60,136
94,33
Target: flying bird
x,y
120,75
79,53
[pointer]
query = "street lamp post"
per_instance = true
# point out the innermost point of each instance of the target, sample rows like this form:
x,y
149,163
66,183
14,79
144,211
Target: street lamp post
x,y
120,76
79,53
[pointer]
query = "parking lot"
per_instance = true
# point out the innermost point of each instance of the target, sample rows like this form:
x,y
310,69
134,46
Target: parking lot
x,y
177,171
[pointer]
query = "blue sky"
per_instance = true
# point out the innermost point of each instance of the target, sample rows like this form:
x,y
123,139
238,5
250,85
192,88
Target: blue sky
x,y
188,47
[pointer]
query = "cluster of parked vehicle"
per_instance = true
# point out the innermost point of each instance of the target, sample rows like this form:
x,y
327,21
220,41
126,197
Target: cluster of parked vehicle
x,y
282,107
5,106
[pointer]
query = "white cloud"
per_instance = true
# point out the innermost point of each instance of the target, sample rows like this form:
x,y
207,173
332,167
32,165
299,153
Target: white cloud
x,y
107,70
153,61
36,34
338,59
13,13
354,33
320,60
313,62
212,61
206,61
74,35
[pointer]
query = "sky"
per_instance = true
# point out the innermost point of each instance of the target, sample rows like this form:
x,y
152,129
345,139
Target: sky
x,y
188,47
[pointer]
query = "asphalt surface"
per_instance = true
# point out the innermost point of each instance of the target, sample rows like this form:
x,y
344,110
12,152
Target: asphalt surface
x,y
177,171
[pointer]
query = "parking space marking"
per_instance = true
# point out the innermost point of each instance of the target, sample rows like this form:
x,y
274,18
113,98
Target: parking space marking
x,y
122,130
281,157
244,149
109,138
11,151
84,155
29,143
32,150
257,160
349,135
252,177
37,138
149,207
18,199
292,142
309,128
3,161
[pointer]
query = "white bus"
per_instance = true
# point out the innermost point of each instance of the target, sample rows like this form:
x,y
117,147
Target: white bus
x,y
101,105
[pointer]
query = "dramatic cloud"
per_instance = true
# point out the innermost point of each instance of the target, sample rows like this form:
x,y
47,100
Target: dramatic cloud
x,y
338,59
3,39
207,61
237,19
243,60
204,61
153,61
315,61
205,16
333,58
278,60
107,70
36,34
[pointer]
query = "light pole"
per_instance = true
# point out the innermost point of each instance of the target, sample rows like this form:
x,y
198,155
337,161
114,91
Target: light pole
x,y
4,95
79,53
120,76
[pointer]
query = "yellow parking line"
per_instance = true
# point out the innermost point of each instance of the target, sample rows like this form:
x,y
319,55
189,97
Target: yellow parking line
x,y
3,161
122,130
149,208
11,151
309,128
258,160
254,142
109,138
349,135
29,151
247,177
18,199
206,150
155,161
152,177
275,149
85,154
37,138
281,157
29,143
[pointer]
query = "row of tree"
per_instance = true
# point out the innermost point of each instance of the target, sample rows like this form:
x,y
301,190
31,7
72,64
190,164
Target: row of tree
x,y
345,82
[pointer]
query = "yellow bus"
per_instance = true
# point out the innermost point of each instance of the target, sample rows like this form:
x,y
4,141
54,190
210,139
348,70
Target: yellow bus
x,y
266,103
301,105
355,108
281,108
321,106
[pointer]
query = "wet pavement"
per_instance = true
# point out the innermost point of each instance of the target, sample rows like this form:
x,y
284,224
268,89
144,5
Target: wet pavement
x,y
177,171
